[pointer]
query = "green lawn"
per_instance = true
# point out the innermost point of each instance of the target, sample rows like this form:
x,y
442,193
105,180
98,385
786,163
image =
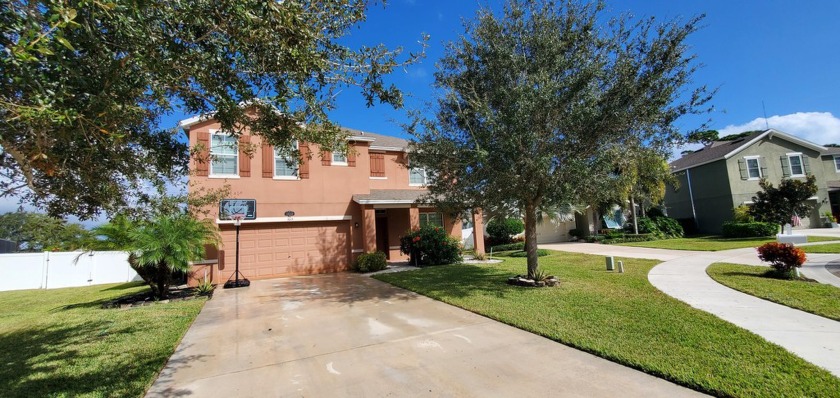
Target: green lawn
x,y
713,243
623,318
828,248
60,343
816,298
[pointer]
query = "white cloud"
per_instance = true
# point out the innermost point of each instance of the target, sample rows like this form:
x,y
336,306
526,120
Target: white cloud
x,y
817,127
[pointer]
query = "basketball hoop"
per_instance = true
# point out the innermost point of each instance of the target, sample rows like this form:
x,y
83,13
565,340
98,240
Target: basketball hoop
x,y
237,218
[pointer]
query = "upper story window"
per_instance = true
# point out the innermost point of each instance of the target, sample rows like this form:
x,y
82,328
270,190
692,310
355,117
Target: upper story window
x,y
285,166
837,164
753,167
434,219
339,159
797,168
417,176
224,154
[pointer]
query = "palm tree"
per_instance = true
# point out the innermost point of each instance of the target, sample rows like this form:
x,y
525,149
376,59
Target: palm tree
x,y
167,244
161,246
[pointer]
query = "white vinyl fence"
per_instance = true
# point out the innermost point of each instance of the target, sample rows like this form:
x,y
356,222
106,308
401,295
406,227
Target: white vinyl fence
x,y
51,270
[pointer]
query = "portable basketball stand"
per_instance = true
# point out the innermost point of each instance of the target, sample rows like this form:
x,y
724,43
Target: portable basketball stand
x,y
235,281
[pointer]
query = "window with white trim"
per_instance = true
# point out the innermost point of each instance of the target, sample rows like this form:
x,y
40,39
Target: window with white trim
x,y
797,169
753,167
339,159
224,154
433,219
417,176
837,164
286,166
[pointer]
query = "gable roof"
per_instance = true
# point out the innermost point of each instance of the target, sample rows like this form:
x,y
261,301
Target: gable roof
x,y
726,149
380,142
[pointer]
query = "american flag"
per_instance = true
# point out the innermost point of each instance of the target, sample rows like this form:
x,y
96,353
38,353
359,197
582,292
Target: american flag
x,y
795,220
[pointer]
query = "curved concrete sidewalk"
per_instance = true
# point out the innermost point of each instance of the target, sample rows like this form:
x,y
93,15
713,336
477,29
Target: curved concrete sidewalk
x,y
683,276
814,338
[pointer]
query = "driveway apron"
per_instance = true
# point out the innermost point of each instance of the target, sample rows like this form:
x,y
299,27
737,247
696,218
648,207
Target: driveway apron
x,y
343,335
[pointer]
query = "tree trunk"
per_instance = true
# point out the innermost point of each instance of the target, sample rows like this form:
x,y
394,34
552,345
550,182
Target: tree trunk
x,y
595,222
633,212
531,239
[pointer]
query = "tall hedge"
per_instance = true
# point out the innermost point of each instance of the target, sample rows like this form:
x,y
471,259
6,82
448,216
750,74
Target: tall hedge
x,y
732,229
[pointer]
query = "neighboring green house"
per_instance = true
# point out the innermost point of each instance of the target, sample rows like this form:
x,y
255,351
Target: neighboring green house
x,y
725,174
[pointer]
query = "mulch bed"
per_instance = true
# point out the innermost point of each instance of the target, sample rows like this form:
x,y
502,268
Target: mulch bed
x,y
146,298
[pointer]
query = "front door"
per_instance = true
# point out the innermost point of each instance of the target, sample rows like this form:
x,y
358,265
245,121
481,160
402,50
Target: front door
x,y
382,235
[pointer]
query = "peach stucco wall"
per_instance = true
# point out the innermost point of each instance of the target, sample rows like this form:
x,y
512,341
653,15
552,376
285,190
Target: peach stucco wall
x,y
328,191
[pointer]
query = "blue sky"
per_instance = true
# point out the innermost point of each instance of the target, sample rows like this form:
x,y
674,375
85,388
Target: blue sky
x,y
783,53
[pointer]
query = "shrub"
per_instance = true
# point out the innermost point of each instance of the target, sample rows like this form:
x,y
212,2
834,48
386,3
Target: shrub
x,y
783,257
646,226
574,232
613,233
628,238
755,229
204,288
669,227
662,227
370,262
523,253
509,246
595,238
742,214
501,230
430,245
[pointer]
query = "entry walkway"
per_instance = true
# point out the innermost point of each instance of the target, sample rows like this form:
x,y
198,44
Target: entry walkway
x,y
347,335
683,276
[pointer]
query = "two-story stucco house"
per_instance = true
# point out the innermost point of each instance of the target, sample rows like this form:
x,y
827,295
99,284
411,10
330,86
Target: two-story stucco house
x,y
316,215
725,174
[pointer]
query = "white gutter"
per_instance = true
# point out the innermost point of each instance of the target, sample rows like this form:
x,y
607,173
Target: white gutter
x,y
287,219
691,196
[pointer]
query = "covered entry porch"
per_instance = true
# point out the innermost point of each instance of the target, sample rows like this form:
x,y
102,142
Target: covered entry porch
x,y
388,214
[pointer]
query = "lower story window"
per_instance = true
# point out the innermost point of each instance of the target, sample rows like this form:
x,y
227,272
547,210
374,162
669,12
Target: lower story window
x,y
434,219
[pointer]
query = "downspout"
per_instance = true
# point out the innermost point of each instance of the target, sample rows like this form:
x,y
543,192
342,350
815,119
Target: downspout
x,y
691,197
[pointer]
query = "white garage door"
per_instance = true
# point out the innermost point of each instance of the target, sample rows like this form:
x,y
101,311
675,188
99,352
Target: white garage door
x,y
549,231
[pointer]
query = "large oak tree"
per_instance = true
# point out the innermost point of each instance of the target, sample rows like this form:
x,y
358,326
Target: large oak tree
x,y
532,99
84,84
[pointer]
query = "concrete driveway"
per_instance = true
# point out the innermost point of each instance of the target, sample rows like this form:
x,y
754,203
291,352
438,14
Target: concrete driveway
x,y
343,335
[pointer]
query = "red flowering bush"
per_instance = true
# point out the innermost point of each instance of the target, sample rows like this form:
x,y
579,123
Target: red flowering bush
x,y
783,257
430,245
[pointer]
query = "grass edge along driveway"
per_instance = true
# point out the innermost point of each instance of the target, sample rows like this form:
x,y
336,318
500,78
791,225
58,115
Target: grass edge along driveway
x,y
816,298
827,248
61,343
713,243
623,318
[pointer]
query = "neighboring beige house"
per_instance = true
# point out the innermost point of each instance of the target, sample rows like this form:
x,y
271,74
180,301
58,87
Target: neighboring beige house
x,y
725,174
342,204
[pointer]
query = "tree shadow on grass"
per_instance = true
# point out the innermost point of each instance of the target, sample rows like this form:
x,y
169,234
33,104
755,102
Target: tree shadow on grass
x,y
461,280
127,287
51,362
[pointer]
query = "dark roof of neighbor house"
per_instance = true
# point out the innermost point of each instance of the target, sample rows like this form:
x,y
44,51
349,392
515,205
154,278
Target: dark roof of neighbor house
x,y
385,196
832,150
714,151
722,149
